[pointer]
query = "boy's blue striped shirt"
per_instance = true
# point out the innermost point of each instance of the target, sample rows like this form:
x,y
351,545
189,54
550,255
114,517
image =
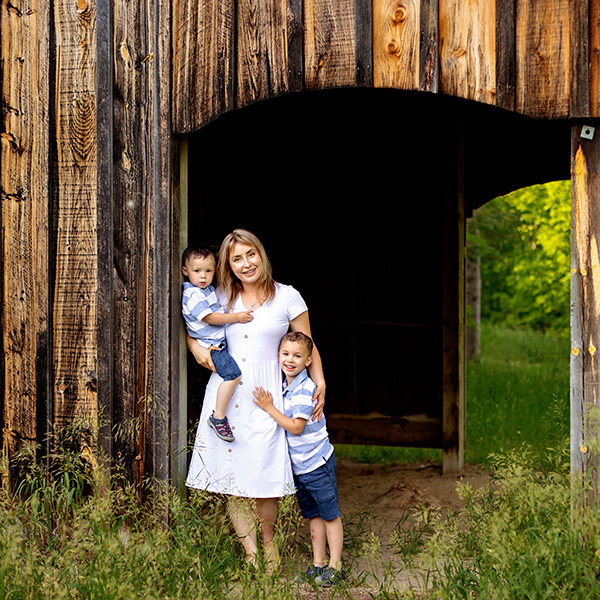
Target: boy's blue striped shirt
x,y
197,303
311,449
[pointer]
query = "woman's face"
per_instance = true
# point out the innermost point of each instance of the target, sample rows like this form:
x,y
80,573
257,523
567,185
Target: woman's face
x,y
245,262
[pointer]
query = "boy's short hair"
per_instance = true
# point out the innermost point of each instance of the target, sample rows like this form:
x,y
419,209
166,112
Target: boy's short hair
x,y
300,338
196,252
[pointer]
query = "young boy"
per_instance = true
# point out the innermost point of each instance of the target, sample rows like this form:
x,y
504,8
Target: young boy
x,y
312,457
205,319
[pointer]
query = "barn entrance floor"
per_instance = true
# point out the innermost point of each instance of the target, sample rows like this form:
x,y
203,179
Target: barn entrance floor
x,y
373,500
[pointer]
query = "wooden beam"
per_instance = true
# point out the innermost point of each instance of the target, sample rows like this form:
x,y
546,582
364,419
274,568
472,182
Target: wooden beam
x,y
594,58
413,431
580,33
585,305
429,44
25,188
453,327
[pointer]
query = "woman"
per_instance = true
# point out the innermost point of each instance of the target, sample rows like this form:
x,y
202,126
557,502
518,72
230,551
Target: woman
x,y
256,465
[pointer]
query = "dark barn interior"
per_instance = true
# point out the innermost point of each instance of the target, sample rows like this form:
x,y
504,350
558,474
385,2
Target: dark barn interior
x,y
345,189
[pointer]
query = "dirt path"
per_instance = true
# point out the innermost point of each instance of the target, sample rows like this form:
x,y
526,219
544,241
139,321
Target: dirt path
x,y
373,500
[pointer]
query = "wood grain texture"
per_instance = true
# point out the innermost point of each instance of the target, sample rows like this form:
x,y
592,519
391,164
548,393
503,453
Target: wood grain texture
x,y
467,49
579,34
261,50
396,26
75,286
506,68
594,58
585,307
543,58
202,62
25,197
329,43
428,43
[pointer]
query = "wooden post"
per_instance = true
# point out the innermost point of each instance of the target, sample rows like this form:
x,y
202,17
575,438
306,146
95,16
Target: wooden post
x,y
585,304
453,328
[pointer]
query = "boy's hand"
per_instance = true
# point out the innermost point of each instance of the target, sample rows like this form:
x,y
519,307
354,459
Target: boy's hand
x,y
262,399
245,316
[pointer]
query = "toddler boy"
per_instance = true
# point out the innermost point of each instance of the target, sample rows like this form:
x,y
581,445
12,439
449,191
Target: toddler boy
x,y
205,319
312,458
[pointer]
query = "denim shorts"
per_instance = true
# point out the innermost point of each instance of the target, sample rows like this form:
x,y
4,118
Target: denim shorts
x,y
226,367
317,492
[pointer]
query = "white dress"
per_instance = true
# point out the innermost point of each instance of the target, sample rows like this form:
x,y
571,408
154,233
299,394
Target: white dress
x,y
256,464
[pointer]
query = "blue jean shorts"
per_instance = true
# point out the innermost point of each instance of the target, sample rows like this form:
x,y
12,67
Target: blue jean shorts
x,y
317,492
226,367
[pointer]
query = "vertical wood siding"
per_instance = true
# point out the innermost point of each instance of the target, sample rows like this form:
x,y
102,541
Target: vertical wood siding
x,y
24,217
74,306
543,58
467,49
585,302
202,62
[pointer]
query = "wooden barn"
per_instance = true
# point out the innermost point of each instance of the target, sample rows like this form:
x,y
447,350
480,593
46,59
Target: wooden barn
x,y
354,137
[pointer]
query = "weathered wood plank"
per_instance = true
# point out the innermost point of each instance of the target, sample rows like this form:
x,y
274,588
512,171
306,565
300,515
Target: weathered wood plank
x,y
428,59
506,68
295,46
163,275
363,12
594,58
25,198
467,49
329,43
396,26
261,50
134,228
202,62
585,307
543,58
579,28
75,288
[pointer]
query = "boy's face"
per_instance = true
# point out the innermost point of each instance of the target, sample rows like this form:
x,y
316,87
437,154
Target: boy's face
x,y
199,271
293,357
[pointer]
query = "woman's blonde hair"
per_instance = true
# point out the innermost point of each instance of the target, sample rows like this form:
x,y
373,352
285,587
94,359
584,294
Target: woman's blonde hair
x,y
229,284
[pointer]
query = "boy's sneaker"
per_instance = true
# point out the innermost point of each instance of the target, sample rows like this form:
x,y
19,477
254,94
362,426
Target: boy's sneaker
x,y
221,428
330,576
311,574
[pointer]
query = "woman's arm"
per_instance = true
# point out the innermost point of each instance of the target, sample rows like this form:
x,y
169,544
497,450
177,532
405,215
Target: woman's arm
x,y
201,354
315,369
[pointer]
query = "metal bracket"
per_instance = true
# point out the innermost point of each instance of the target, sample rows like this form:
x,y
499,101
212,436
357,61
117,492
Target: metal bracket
x,y
587,132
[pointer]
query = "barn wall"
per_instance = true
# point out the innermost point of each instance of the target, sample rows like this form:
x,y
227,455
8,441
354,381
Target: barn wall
x,y
86,224
524,55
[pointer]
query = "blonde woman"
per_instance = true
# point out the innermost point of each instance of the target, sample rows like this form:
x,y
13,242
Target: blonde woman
x,y
256,465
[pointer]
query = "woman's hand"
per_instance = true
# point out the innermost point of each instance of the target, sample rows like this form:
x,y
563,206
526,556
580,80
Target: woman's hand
x,y
201,354
319,398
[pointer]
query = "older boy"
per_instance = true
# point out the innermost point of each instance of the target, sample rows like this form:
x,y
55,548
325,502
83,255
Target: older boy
x,y
205,320
312,458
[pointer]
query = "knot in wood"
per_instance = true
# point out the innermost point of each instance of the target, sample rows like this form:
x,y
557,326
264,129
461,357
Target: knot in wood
x,y
393,48
399,15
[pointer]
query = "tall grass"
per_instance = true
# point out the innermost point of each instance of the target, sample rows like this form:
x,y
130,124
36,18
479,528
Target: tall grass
x,y
517,392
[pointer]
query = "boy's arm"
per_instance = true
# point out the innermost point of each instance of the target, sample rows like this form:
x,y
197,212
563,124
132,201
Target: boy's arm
x,y
226,318
265,401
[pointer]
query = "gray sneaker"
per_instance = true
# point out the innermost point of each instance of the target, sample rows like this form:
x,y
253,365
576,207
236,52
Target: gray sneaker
x,y
221,428
310,574
330,576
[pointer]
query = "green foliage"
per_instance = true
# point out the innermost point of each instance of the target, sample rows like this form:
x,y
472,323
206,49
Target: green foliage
x,y
517,537
524,243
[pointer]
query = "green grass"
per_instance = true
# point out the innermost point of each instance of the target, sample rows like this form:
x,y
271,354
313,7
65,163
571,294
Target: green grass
x,y
517,392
